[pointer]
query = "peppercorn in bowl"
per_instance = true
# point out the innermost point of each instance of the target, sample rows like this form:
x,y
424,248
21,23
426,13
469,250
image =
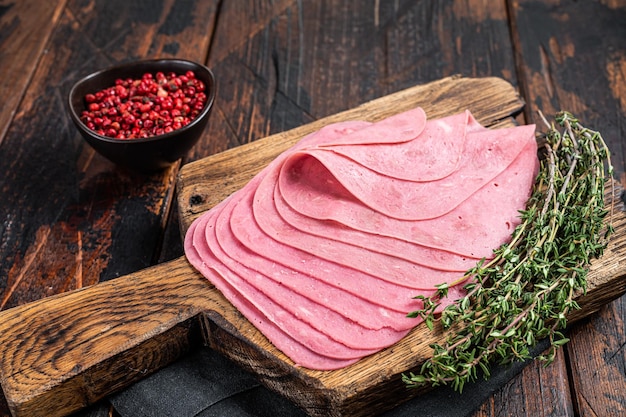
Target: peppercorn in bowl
x,y
144,115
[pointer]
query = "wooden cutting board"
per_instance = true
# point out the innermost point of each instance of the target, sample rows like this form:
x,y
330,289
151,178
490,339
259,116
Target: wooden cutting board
x,y
67,351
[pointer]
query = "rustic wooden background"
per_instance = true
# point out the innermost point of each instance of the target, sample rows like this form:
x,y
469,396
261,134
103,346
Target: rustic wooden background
x,y
70,219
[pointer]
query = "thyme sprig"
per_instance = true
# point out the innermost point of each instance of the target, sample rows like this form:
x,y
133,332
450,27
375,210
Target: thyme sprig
x,y
526,291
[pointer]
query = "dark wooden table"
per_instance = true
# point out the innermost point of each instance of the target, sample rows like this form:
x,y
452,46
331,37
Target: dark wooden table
x,y
69,218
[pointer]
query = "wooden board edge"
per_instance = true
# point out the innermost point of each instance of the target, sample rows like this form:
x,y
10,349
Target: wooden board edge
x,y
67,351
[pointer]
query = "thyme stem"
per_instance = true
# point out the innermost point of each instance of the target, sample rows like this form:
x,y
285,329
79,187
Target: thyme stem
x,y
525,292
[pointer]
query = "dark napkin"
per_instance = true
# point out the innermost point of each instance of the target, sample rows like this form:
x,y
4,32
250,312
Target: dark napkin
x,y
206,384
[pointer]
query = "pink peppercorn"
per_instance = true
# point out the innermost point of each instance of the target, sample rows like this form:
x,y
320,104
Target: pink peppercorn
x,y
149,106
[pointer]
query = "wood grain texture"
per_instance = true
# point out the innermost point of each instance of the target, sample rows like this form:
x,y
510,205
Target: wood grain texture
x,y
25,27
287,63
533,392
93,341
564,67
68,217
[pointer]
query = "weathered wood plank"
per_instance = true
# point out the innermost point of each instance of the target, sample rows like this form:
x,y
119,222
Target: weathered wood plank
x,y
94,341
582,71
293,62
564,66
25,27
536,391
69,217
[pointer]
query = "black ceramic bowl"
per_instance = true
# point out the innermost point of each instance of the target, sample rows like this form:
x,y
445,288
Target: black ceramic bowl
x,y
155,152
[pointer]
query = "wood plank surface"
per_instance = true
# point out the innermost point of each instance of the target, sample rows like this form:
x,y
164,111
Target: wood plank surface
x,y
287,63
25,27
23,34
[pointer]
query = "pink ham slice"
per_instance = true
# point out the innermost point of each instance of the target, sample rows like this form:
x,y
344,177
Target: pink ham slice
x,y
325,320
247,284
386,267
373,242
330,289
286,343
447,135
399,128
472,230
362,298
319,183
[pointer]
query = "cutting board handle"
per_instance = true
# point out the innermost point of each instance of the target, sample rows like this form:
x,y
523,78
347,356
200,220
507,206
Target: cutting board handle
x,y
64,352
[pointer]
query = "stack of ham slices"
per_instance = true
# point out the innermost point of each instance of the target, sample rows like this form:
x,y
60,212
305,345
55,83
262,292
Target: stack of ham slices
x,y
325,250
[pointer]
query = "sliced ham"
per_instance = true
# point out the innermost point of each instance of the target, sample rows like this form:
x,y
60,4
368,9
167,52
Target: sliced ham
x,y
335,325
326,249
386,267
404,127
286,343
374,241
472,229
291,314
322,184
447,135
362,298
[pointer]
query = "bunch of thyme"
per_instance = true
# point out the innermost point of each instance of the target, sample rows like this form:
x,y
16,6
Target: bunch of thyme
x,y
524,294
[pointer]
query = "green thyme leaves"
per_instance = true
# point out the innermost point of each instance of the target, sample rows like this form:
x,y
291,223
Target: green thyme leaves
x,y
525,293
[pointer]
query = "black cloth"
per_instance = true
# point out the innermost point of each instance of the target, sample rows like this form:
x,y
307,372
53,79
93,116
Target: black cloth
x,y
205,384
